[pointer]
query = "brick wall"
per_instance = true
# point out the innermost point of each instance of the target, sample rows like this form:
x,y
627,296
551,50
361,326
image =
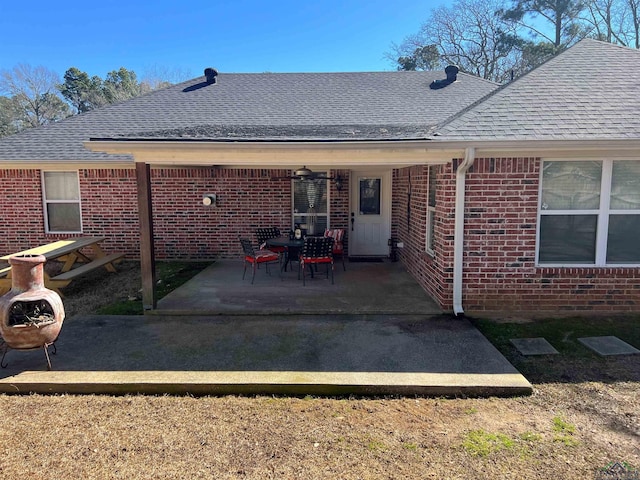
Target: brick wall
x,y
409,226
183,226
109,209
21,217
500,235
339,205
500,228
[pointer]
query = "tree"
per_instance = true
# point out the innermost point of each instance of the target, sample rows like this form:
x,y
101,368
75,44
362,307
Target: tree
x,y
615,21
156,76
426,57
9,117
82,92
121,85
468,34
634,10
33,91
562,15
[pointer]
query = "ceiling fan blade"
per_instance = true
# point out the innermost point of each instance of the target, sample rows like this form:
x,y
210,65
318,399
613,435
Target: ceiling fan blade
x,y
305,174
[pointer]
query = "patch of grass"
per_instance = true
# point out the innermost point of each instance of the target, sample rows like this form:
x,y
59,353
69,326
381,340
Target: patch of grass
x,y
575,362
481,444
169,276
562,333
375,445
563,432
560,426
530,437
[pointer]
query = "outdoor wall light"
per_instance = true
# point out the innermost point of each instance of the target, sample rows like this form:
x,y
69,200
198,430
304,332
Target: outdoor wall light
x,y
338,182
209,199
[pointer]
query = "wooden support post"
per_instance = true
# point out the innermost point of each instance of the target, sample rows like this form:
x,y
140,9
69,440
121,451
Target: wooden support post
x,y
147,250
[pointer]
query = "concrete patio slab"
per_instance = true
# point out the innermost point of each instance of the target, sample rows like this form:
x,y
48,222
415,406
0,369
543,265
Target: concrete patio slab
x,y
533,346
364,288
317,354
608,345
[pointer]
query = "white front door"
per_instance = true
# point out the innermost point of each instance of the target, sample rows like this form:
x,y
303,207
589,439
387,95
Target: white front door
x,y
370,215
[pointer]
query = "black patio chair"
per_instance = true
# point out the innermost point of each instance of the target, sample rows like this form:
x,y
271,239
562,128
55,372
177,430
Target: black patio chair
x,y
316,250
265,233
255,258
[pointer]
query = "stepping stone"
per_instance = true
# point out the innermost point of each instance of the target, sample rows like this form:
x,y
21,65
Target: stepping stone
x,y
533,346
609,345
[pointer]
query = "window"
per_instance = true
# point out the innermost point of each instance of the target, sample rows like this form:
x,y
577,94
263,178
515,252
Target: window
x,y
310,205
370,194
431,209
61,194
589,213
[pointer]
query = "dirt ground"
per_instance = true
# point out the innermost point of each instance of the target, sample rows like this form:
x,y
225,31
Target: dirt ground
x,y
561,431
575,424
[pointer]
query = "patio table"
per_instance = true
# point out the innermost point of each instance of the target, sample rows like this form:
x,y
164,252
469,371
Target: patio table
x,y
292,245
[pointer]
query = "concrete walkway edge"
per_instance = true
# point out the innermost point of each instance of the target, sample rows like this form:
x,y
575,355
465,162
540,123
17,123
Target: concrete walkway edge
x,y
258,382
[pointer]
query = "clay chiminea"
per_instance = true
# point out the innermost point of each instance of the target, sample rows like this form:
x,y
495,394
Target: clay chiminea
x,y
31,315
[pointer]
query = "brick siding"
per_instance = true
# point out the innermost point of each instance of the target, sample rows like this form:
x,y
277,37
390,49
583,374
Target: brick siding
x,y
500,228
500,241
183,227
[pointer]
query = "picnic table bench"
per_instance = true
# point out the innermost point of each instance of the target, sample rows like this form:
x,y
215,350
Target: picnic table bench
x,y
76,263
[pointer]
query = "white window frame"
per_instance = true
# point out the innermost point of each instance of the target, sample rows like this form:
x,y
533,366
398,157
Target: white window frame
x,y
602,213
431,213
46,202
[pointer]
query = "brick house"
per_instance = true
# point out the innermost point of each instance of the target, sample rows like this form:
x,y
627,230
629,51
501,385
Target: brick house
x,y
524,197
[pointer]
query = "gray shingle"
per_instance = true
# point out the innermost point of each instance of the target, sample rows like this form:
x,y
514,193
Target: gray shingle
x,y
590,91
259,107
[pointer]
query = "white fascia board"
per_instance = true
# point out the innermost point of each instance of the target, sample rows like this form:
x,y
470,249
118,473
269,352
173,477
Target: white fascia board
x,y
365,153
396,153
63,165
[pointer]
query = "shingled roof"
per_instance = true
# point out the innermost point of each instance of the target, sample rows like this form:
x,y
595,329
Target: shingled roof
x,y
261,107
590,91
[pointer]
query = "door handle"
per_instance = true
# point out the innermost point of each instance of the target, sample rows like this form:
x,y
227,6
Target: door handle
x,y
353,220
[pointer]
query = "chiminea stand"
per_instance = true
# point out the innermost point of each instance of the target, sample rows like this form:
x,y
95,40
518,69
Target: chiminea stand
x,y
31,315
4,348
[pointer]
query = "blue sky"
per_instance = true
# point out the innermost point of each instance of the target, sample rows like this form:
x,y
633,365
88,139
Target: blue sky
x,y
187,36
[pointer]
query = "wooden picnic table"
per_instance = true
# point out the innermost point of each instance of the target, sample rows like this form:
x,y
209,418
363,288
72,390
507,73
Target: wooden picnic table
x,y
68,251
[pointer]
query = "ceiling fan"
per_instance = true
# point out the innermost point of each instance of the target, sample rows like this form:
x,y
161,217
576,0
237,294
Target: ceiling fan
x,y
306,174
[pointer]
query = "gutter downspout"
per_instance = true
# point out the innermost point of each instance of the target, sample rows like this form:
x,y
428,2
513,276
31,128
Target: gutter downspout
x,y
458,236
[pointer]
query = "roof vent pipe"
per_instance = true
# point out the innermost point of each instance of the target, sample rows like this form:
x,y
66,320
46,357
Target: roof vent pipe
x,y
452,75
210,74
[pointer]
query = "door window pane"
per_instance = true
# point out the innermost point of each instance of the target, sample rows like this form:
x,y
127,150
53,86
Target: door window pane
x,y
310,205
571,185
622,244
370,196
568,238
625,186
